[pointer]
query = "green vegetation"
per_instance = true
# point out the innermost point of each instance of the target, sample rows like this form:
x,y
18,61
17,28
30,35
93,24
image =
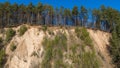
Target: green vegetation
x,y
82,59
22,30
34,54
2,58
12,46
44,28
79,56
9,34
77,31
50,32
83,35
2,53
115,45
103,17
1,40
54,50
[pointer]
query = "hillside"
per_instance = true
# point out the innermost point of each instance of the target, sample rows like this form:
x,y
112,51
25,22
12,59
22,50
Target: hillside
x,y
43,47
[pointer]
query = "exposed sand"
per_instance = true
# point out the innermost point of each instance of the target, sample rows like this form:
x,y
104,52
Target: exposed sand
x,y
31,42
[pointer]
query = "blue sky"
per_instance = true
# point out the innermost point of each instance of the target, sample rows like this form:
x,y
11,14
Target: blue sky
x,y
70,3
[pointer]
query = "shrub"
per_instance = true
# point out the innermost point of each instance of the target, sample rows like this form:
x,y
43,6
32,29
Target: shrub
x,y
115,45
12,47
1,40
44,28
59,64
34,54
9,34
54,51
90,60
73,48
77,29
50,32
83,35
22,30
2,57
82,59
78,32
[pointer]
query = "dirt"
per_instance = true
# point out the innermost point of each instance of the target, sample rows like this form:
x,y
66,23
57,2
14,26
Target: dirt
x,y
101,44
29,51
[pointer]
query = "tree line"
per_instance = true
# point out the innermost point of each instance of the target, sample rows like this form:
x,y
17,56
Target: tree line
x,y
103,18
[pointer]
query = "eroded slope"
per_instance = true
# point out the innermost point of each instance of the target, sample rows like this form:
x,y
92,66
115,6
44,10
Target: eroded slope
x,y
30,51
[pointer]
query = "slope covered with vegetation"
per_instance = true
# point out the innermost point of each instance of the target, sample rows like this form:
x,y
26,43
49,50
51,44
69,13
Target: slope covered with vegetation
x,y
59,53
115,45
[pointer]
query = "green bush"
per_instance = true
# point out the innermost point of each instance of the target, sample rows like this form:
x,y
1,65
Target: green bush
x,y
34,54
22,30
73,48
44,28
9,34
12,47
83,35
59,64
54,51
77,31
2,57
82,59
50,32
115,45
1,40
90,60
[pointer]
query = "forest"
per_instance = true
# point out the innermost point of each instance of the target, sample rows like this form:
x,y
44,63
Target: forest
x,y
103,18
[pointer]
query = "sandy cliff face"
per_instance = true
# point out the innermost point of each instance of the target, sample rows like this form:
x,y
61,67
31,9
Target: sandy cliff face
x,y
101,44
30,44
27,45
